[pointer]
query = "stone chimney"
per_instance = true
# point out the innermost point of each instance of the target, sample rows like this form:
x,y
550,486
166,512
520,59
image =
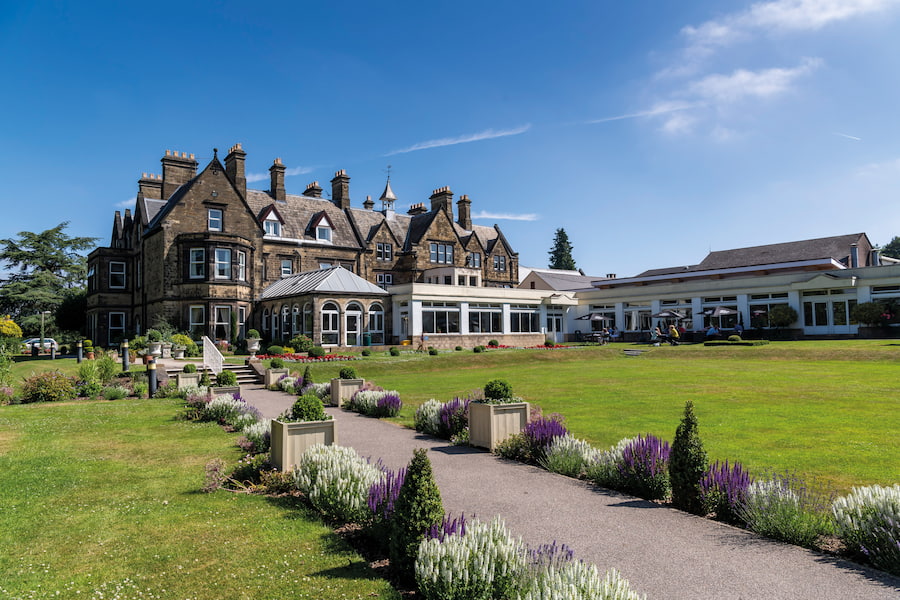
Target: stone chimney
x,y
875,258
276,178
610,275
234,167
369,204
340,189
178,169
313,190
417,209
464,206
150,186
442,199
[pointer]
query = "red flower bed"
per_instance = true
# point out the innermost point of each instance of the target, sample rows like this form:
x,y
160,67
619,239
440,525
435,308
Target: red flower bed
x,y
308,359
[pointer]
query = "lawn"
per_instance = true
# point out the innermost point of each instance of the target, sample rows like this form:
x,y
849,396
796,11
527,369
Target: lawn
x,y
828,410
101,500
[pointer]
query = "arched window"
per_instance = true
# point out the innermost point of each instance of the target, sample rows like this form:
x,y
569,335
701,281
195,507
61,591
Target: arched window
x,y
295,321
330,323
265,321
354,324
276,322
375,325
286,322
308,319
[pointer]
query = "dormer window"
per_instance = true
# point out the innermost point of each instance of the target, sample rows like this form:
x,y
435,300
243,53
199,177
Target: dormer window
x,y
323,233
273,227
323,228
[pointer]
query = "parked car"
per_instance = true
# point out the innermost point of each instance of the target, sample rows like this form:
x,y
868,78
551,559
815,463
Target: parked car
x,y
48,343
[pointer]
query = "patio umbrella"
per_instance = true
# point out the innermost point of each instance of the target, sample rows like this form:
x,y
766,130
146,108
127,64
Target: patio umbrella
x,y
594,317
668,314
723,310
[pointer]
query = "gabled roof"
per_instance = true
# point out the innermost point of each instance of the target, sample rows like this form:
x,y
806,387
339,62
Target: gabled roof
x,y
331,280
565,281
835,247
299,212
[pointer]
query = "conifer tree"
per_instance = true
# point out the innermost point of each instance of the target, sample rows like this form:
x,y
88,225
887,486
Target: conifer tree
x,y
561,254
687,464
417,509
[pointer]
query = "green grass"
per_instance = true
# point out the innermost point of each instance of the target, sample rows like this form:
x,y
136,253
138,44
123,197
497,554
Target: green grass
x,y
100,499
828,410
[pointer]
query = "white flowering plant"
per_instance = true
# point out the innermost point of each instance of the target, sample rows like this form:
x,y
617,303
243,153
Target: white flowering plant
x,y
336,481
868,521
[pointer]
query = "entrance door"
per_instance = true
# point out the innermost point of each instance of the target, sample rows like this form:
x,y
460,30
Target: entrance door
x,y
824,316
354,325
555,327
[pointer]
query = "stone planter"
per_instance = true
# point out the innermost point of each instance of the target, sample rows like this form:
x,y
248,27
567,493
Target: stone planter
x,y
228,389
490,424
178,351
166,350
253,346
290,440
154,348
343,389
273,375
185,380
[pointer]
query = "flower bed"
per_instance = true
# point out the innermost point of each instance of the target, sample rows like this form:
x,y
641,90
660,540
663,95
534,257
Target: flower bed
x,y
308,359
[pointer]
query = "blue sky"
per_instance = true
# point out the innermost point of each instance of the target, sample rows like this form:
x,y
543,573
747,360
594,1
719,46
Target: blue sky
x,y
652,132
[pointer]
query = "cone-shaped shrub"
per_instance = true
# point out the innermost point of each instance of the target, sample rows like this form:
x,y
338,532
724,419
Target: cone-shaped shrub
x,y
417,510
307,376
687,464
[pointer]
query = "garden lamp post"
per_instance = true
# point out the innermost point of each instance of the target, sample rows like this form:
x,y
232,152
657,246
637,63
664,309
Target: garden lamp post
x,y
43,312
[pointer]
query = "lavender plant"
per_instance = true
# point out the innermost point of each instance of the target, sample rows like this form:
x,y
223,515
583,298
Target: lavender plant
x,y
483,563
723,490
785,508
604,469
569,456
454,417
868,521
336,481
376,403
447,527
383,495
644,469
541,432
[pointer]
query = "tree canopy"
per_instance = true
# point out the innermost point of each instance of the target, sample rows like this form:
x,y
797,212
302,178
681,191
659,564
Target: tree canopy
x,y
43,268
561,253
892,248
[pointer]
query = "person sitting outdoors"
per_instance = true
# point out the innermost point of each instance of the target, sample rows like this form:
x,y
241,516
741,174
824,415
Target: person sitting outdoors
x,y
656,336
673,335
712,333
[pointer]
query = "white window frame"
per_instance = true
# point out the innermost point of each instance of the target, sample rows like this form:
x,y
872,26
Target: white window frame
x,y
215,219
223,267
384,279
323,233
272,227
440,253
225,324
242,266
287,267
499,262
375,326
474,260
197,263
384,251
331,319
116,274
440,317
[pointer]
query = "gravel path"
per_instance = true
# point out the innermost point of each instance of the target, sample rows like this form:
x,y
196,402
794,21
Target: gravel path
x,y
663,552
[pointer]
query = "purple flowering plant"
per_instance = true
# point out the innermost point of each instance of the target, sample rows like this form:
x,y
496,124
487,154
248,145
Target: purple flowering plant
x,y
644,469
724,490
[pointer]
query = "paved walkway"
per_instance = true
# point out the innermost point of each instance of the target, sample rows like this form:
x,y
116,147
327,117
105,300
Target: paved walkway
x,y
663,552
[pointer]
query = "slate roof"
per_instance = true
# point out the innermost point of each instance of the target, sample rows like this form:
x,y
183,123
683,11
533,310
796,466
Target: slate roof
x,y
567,281
299,212
835,247
332,280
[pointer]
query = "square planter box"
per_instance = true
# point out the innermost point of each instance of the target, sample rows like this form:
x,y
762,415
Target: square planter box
x,y
490,424
290,440
229,389
343,389
184,380
273,375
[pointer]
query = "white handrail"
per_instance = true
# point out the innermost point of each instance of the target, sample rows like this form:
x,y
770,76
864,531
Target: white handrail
x,y
212,358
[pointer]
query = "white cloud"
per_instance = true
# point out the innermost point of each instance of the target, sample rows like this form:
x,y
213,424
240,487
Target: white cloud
x,y
660,108
252,177
506,216
849,137
720,89
487,134
129,203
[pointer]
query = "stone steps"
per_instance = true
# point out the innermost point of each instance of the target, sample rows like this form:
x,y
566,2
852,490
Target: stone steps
x,y
245,375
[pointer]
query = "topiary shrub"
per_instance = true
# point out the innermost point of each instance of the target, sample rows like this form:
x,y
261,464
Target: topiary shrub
x,y
549,343
301,343
316,352
493,343
394,351
253,334
307,376
276,363
433,351
366,352
688,464
308,407
735,338
189,368
226,379
497,389
275,350
478,349
348,373
417,510
204,379
51,386
458,348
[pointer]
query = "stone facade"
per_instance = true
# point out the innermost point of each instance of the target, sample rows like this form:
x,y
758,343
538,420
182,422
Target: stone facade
x,y
201,246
